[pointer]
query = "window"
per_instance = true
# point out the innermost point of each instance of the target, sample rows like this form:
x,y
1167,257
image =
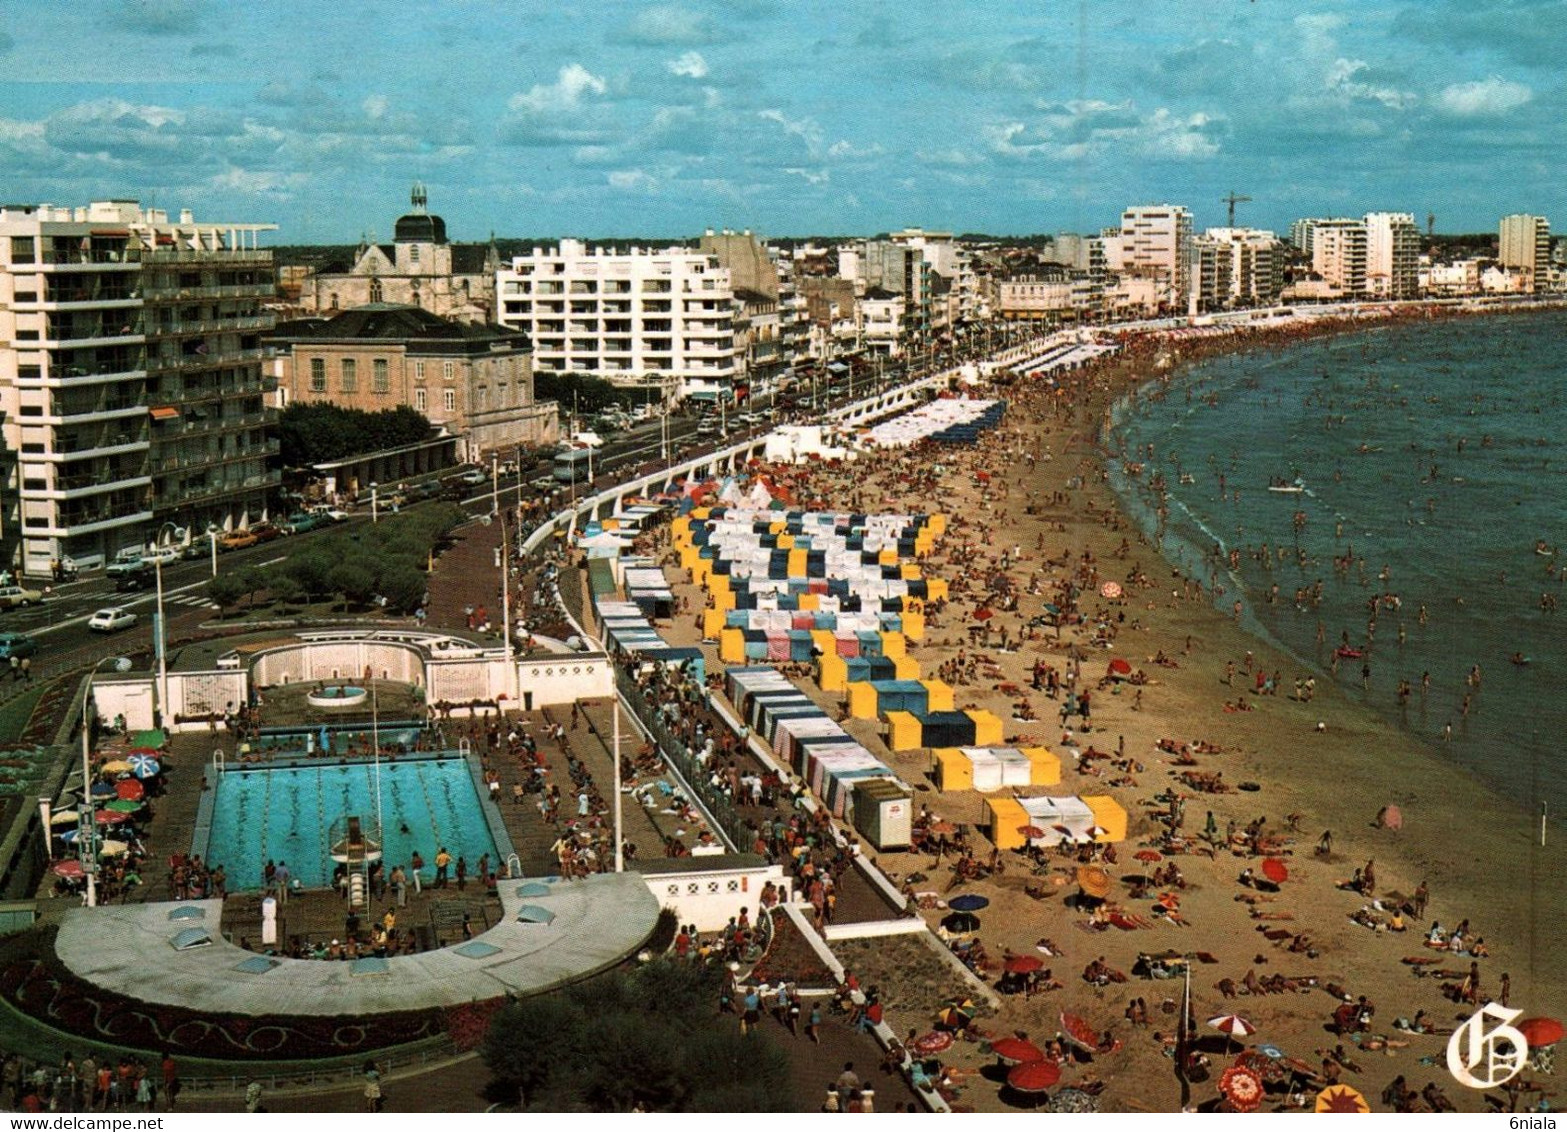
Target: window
x,y
448,371
413,253
350,375
484,398
451,400
375,291
318,375
419,400
22,249
380,378
418,371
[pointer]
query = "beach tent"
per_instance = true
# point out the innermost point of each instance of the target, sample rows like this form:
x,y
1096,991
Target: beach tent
x,y
994,768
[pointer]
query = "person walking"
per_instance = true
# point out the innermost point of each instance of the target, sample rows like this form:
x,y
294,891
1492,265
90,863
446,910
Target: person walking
x,y
415,866
443,862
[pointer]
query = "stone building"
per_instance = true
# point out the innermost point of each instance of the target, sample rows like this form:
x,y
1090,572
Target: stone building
x,y
475,380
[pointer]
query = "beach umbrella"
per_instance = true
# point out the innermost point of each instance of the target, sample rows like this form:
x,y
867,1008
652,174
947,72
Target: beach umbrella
x,y
65,817
1030,831
67,868
1034,1076
961,923
115,766
933,1042
124,806
69,836
1016,1050
102,790
984,613
956,1015
1271,1051
1120,666
150,752
1540,1031
1148,855
1074,1100
968,902
130,789
1275,870
1111,590
1341,1098
109,817
1242,1088
1022,964
1232,1026
1076,1030
1094,881
113,848
143,765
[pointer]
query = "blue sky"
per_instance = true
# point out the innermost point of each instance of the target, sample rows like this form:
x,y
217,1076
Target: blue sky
x,y
578,117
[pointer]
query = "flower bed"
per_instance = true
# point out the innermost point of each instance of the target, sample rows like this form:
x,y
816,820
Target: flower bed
x,y
792,959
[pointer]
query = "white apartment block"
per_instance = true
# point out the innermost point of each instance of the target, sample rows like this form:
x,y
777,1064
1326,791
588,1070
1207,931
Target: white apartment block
x,y
1338,255
660,317
951,261
130,379
1525,242
1155,240
1392,255
1237,267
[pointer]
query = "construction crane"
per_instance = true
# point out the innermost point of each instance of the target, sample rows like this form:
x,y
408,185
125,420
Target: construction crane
x,y
1232,200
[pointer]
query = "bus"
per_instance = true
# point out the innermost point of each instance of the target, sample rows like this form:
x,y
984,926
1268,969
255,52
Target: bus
x,y
571,465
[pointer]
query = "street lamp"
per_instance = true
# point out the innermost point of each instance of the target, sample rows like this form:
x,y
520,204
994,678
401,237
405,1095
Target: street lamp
x,y
87,826
159,633
375,514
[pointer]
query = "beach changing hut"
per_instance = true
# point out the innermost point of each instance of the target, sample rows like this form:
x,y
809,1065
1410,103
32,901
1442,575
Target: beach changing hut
x,y
994,768
1076,819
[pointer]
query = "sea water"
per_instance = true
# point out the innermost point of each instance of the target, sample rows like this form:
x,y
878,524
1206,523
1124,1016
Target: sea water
x,y
1432,457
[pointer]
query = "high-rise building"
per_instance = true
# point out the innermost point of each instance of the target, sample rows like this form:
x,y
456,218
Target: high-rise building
x,y
1392,255
1238,267
1338,255
1526,243
1156,241
130,379
644,317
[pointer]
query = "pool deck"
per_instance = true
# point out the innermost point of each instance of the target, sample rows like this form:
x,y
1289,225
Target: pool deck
x,y
600,921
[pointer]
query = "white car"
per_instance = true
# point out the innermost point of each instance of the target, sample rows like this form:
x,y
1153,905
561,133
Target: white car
x,y
474,477
111,620
163,554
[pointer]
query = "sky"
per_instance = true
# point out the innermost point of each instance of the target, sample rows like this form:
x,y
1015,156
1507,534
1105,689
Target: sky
x,y
601,119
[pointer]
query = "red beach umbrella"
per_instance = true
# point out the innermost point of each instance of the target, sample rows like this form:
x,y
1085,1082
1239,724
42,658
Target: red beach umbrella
x,y
1111,590
70,867
1034,1076
1030,831
1242,1088
933,1042
1022,965
984,613
1016,1050
1275,870
1540,1031
130,789
1149,855
1120,666
1078,1030
109,817
1232,1026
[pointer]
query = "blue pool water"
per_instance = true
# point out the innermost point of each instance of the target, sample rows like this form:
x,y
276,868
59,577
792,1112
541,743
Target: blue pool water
x,y
286,814
350,739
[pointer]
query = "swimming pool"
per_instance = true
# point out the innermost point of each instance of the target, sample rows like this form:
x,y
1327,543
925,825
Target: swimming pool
x,y
286,813
337,738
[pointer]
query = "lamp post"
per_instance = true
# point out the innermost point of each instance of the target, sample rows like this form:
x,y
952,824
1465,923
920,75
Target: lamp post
x,y
495,483
87,826
503,561
375,513
159,634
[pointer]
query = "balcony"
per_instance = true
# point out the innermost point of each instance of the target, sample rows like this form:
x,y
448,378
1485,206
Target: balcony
x,y
99,519
63,255
205,258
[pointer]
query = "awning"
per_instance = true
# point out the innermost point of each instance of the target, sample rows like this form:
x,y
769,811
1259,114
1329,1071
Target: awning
x,y
111,231
165,413
702,395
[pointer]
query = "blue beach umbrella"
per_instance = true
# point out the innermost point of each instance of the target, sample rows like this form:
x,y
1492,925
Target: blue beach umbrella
x,y
102,790
143,766
968,902
69,836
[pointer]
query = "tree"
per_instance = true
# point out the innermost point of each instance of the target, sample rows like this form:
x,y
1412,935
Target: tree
x,y
226,589
403,586
313,432
355,581
312,572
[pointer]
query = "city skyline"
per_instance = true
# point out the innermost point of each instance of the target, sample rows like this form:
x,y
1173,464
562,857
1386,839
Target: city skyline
x,y
614,120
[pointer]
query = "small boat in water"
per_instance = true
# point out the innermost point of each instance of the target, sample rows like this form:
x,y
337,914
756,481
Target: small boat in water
x,y
1288,487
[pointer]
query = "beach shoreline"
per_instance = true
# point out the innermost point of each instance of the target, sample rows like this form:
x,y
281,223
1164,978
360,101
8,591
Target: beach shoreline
x,y
1461,838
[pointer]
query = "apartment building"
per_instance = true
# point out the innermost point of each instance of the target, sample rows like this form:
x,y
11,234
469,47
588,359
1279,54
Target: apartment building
x,y
1392,255
659,318
1525,243
130,379
1237,267
1155,241
1338,255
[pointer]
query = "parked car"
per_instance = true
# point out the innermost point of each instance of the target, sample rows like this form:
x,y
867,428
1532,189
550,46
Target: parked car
x,y
164,554
142,579
13,597
474,477
17,645
301,521
111,620
266,532
236,540
200,548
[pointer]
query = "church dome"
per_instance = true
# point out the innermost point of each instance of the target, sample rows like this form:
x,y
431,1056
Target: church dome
x,y
419,226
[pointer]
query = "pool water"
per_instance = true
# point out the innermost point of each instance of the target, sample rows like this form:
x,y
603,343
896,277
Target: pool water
x,y
286,814
353,738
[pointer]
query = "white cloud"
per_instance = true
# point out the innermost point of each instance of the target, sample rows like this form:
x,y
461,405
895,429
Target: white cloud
x,y
810,176
565,93
375,106
691,65
667,25
1485,98
805,129
632,180
1344,78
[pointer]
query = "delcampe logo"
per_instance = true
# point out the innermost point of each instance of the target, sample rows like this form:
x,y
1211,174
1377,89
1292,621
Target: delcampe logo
x,y
1497,1051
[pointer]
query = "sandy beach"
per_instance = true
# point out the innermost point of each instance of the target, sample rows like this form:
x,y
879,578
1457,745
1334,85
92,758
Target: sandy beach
x,y
1042,515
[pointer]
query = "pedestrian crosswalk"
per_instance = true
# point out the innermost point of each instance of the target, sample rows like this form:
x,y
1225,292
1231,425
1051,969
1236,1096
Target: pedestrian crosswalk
x,y
194,600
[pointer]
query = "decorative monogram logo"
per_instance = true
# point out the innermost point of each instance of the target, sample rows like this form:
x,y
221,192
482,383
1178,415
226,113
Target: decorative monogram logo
x,y
1499,1051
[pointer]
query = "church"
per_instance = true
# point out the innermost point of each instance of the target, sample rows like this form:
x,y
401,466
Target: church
x,y
419,268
